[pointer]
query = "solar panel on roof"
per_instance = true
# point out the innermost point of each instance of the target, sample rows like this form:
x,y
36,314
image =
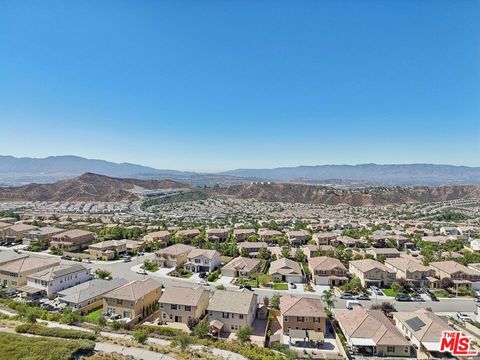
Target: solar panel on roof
x,y
415,323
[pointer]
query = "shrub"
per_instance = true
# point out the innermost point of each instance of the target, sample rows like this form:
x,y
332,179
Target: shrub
x,y
192,323
140,336
163,331
244,333
183,341
42,330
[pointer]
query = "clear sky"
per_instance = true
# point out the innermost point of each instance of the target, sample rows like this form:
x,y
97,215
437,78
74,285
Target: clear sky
x,y
222,84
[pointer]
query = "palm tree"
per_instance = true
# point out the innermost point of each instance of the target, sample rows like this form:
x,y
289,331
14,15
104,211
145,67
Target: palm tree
x,y
328,299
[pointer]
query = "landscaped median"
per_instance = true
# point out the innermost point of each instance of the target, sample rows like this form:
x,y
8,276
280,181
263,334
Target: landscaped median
x,y
43,330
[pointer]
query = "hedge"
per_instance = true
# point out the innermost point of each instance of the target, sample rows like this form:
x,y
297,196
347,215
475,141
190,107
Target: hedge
x,y
42,330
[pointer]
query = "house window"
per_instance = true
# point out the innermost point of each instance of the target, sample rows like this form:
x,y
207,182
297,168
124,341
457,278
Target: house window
x,y
240,316
173,306
161,305
225,315
119,301
285,318
188,308
391,349
316,319
300,319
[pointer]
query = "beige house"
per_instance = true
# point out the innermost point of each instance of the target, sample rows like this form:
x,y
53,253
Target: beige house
x,y
228,311
172,256
14,273
412,271
251,248
387,253
201,260
327,271
187,235
243,234
372,272
16,233
301,313
88,296
179,304
133,301
458,273
43,235
268,235
161,237
370,332
297,238
217,234
423,328
324,238
241,267
286,270
72,240
109,249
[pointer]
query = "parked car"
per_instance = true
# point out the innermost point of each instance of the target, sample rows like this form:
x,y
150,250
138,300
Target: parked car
x,y
127,259
141,272
346,295
477,299
203,282
402,297
362,297
463,316
292,286
248,287
352,303
202,275
417,298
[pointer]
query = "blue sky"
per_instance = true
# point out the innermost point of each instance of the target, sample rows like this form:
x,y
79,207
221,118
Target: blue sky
x,y
223,84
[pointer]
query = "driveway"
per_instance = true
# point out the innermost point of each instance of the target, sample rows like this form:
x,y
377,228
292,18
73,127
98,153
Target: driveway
x,y
224,280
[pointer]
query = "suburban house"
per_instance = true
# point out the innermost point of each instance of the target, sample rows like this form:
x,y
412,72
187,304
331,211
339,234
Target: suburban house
x,y
241,267
372,272
286,270
14,273
172,256
217,234
187,235
110,249
133,301
16,233
161,237
179,304
424,329
297,238
412,271
327,271
268,235
243,234
230,310
58,278
251,248
88,296
201,260
304,314
346,241
42,235
387,253
370,333
324,238
458,273
72,240
402,241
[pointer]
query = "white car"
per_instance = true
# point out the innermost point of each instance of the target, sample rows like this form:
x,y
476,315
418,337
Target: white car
x,y
463,316
141,272
203,282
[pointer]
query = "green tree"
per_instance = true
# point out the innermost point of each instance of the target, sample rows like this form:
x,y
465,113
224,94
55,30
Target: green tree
x,y
275,301
103,274
244,333
201,330
285,251
300,256
183,341
397,287
328,298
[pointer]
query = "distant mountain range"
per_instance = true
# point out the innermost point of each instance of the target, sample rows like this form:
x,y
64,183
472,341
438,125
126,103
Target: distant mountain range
x,y
18,171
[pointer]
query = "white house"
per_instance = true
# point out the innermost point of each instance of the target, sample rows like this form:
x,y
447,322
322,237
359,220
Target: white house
x,y
59,278
200,260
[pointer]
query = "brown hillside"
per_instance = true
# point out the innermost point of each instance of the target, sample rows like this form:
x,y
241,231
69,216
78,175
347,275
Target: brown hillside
x,y
300,193
87,187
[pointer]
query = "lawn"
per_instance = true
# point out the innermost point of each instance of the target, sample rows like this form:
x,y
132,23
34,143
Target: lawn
x,y
442,293
14,346
93,316
389,292
280,286
186,275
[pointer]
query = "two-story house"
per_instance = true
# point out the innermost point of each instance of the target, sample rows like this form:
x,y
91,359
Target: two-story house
x,y
133,301
241,267
14,273
217,234
58,278
172,256
230,310
161,237
412,271
297,238
72,240
372,272
299,313
286,270
458,273
179,304
327,271
201,260
251,249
